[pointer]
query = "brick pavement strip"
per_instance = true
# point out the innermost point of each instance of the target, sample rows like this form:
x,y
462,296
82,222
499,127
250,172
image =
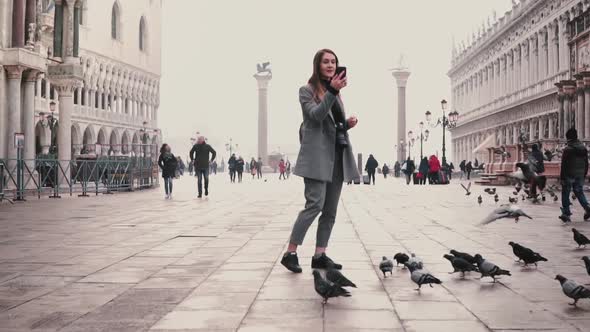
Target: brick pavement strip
x,y
136,262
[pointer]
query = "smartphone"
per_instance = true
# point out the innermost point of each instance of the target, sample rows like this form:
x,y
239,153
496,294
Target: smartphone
x,y
341,69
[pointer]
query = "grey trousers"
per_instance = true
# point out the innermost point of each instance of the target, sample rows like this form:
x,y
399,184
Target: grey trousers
x,y
320,196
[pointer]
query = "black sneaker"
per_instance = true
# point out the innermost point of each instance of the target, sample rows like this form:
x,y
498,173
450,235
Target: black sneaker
x,y
199,196
324,262
565,218
207,192
291,262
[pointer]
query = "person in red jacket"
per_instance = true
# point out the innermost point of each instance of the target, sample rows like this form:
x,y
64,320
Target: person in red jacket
x,y
433,169
282,169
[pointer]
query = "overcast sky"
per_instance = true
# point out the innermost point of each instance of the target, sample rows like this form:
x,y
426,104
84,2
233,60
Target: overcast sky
x,y
210,49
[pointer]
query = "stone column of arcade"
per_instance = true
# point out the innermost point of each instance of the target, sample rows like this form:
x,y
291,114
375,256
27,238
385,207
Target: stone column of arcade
x,y
29,117
14,74
263,78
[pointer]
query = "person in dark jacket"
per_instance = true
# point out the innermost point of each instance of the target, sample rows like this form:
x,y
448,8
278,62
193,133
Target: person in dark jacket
x,y
423,170
253,167
451,170
536,162
397,169
468,169
239,168
231,164
168,163
574,167
462,168
200,156
259,167
385,170
371,167
409,171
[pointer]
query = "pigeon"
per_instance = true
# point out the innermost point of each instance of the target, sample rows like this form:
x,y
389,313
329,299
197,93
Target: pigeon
x,y
586,260
459,265
479,200
422,277
530,175
338,278
505,211
515,193
401,258
555,198
513,200
523,197
464,255
574,197
572,290
490,191
489,269
467,192
496,199
415,262
518,188
385,266
543,198
580,238
327,289
525,254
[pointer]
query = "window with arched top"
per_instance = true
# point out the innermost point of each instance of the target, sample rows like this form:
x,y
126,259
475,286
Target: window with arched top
x,y
142,34
116,22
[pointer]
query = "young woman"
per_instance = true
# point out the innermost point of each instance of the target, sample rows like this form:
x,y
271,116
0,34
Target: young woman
x,y
168,164
282,170
325,159
240,168
253,167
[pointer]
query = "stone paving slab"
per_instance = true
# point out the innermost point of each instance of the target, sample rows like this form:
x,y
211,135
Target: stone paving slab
x,y
137,262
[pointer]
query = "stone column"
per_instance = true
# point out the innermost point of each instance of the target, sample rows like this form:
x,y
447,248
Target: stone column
x,y
569,89
510,74
551,124
535,62
561,111
524,65
515,133
14,74
541,128
563,47
401,78
18,23
263,80
29,117
580,106
544,53
555,47
517,71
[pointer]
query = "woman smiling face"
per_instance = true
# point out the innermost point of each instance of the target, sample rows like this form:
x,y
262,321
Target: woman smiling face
x,y
328,65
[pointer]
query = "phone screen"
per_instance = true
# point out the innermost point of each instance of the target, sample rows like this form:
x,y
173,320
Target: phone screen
x,y
340,69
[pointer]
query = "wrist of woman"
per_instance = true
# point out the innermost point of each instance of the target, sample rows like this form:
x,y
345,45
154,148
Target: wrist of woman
x,y
332,90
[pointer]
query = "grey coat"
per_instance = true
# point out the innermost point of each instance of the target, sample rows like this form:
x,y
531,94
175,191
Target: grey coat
x,y
317,136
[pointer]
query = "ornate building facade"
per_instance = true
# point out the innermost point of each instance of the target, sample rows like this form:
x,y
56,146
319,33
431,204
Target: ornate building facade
x,y
79,76
522,78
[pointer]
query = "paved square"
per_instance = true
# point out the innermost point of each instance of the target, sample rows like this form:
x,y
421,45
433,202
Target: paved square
x,y
137,262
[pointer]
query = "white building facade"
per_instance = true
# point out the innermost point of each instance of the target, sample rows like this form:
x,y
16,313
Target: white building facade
x,y
97,61
519,77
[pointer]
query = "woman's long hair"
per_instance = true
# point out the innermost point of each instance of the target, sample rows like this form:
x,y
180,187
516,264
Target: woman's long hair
x,y
163,148
316,79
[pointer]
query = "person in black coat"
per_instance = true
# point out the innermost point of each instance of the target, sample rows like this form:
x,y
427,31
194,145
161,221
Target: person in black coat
x,y
385,170
574,168
423,168
409,171
200,155
239,168
168,163
537,165
468,169
371,167
231,164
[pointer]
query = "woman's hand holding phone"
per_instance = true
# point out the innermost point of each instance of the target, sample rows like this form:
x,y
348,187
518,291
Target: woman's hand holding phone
x,y
338,81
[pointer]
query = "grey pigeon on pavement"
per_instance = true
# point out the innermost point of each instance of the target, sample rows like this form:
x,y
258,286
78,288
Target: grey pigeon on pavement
x,y
459,265
580,238
496,198
490,191
528,256
513,200
572,290
415,262
327,289
489,269
586,260
505,211
479,200
385,266
401,258
467,192
463,255
422,277
338,278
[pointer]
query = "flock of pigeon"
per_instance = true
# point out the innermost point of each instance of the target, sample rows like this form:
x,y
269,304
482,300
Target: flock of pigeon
x,y
335,282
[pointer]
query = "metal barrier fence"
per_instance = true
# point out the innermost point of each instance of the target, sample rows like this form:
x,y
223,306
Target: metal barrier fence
x,y
20,179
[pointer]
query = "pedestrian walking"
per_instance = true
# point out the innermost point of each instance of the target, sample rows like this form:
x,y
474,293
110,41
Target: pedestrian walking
x,y
200,156
433,169
371,167
397,169
385,170
468,169
574,168
408,168
168,164
259,167
537,165
231,165
288,168
190,167
451,170
239,168
462,168
325,159
253,168
282,169
423,169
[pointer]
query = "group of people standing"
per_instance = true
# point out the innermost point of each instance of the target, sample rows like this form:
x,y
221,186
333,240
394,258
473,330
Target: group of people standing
x,y
429,169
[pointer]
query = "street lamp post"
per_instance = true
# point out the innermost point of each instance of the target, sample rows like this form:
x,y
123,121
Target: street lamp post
x,y
230,146
446,122
51,123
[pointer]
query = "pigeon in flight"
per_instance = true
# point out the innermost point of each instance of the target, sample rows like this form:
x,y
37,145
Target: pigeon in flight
x,y
467,192
580,238
505,211
464,255
530,175
327,289
572,290
385,266
415,262
338,278
528,256
422,277
459,265
489,269
401,258
479,200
